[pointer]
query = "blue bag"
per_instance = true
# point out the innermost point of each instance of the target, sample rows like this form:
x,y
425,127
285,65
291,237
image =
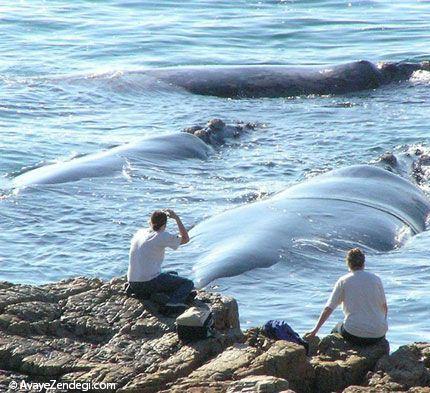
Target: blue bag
x,y
278,329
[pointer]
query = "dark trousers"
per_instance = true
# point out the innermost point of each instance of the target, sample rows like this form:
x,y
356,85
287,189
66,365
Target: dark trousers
x,y
177,287
361,341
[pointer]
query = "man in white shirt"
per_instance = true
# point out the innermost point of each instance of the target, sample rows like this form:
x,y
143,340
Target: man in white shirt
x,y
363,301
146,257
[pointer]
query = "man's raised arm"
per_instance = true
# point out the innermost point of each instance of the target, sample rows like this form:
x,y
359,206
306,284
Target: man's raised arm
x,y
182,231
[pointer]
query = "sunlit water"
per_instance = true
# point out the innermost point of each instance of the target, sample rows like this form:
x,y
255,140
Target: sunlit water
x,y
65,91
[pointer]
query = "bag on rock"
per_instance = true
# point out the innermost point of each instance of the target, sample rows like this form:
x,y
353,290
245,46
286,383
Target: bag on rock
x,y
280,330
194,324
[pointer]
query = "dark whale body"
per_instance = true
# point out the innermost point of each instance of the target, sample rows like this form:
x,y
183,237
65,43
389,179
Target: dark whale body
x,y
283,81
361,205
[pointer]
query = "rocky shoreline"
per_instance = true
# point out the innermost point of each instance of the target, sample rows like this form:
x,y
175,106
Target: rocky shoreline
x,y
86,330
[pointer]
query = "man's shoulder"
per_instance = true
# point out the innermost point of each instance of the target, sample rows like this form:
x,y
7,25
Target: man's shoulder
x,y
345,277
372,276
366,275
165,235
141,233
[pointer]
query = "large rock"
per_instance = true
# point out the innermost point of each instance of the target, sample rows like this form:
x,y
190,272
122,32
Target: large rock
x,y
258,356
88,330
339,364
406,368
83,330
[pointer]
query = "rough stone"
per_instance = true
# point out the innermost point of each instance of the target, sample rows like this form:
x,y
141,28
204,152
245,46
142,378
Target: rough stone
x,y
405,368
258,356
89,330
259,384
339,364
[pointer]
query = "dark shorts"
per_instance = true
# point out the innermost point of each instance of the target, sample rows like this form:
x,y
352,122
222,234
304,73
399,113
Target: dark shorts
x,y
170,283
361,341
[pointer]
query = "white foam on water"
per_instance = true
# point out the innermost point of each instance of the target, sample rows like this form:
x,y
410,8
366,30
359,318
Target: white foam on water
x,y
403,236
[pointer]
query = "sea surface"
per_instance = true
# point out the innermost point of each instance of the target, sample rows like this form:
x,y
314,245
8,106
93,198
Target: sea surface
x,y
66,90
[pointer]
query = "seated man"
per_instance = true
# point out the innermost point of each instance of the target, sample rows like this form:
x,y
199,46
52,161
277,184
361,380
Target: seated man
x,y
364,305
146,256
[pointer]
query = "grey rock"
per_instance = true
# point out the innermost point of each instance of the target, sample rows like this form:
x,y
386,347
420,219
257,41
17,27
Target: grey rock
x,y
89,330
259,384
404,369
339,364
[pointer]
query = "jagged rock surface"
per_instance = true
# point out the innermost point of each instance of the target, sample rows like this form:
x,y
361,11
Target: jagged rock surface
x,y
338,364
87,330
407,369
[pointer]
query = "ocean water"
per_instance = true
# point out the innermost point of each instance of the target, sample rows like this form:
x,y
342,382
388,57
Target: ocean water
x,y
66,89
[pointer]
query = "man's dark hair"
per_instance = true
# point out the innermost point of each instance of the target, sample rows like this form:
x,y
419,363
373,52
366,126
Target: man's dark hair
x,y
158,219
355,259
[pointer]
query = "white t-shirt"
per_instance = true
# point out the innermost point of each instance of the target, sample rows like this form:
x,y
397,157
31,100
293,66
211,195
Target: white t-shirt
x,y
362,296
147,253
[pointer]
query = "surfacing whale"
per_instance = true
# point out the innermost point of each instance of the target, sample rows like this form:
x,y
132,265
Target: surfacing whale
x,y
284,81
194,142
361,205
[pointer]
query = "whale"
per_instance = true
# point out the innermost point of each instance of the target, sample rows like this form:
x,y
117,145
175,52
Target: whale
x,y
258,81
364,206
196,142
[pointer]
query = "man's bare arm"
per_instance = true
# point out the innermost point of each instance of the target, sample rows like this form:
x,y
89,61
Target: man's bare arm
x,y
182,230
323,317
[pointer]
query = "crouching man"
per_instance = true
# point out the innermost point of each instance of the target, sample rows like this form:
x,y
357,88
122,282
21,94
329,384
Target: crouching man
x,y
146,257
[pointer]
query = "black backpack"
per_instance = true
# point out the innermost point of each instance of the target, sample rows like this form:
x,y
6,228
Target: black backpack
x,y
194,324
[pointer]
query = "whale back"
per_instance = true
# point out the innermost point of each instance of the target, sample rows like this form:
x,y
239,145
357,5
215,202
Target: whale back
x,y
152,149
368,185
360,205
272,81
